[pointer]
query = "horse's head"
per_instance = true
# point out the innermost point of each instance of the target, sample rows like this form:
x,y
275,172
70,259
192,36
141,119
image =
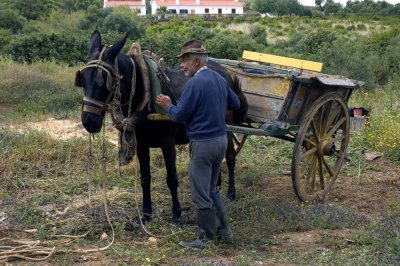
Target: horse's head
x,y
100,80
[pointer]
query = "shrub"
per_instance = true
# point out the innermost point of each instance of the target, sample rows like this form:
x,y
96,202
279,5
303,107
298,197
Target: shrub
x,y
258,33
230,45
361,27
351,28
48,46
383,126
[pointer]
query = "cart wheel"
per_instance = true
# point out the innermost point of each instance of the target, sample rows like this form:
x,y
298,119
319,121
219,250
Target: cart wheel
x,y
320,147
238,141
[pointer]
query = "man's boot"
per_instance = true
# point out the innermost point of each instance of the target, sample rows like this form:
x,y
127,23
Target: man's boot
x,y
206,222
224,231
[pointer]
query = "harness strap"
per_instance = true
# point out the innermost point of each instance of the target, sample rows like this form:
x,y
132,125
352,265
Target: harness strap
x,y
92,109
93,101
135,52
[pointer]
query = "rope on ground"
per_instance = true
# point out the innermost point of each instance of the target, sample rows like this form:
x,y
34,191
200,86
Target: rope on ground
x,y
104,186
24,249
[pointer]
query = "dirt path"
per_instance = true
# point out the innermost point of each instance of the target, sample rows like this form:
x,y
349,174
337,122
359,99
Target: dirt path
x,y
61,129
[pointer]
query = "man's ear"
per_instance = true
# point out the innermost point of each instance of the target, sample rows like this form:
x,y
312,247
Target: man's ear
x,y
196,61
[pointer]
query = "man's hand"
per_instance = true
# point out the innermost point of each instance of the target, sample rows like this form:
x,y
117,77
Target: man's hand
x,y
163,101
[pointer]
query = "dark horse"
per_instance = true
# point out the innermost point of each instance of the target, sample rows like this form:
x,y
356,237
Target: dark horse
x,y
110,74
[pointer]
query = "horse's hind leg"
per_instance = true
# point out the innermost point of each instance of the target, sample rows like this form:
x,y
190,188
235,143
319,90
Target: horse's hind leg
x,y
169,153
143,153
230,157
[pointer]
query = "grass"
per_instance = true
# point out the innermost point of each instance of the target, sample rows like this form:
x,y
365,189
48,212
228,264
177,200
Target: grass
x,y
45,175
37,92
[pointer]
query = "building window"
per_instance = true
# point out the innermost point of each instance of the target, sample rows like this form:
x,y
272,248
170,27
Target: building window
x,y
171,11
233,11
219,10
207,10
183,11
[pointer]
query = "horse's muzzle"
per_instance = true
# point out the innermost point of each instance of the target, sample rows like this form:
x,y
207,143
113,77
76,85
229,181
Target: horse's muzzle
x,y
91,122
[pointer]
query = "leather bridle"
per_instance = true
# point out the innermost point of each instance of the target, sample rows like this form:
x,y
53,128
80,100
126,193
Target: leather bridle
x,y
113,83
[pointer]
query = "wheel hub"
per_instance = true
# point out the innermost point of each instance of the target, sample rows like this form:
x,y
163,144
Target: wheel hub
x,y
326,147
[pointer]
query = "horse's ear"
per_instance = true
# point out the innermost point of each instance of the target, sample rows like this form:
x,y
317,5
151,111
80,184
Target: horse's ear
x,y
117,47
95,42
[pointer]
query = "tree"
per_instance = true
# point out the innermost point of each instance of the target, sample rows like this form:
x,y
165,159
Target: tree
x,y
76,5
319,4
264,6
122,20
331,8
33,10
12,20
279,7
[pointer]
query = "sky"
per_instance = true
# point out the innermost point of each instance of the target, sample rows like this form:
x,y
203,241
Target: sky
x,y
343,2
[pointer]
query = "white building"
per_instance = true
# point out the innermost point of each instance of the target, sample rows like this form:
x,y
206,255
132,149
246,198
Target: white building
x,y
198,7
139,5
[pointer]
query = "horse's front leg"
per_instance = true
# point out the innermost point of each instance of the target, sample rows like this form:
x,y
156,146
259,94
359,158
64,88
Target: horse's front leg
x,y
143,154
169,153
230,157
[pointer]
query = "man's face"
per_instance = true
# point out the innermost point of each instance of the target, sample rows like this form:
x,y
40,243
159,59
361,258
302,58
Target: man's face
x,y
188,65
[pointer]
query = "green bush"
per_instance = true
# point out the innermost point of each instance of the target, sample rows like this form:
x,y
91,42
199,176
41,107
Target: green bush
x,y
230,45
258,33
361,27
45,46
5,38
12,20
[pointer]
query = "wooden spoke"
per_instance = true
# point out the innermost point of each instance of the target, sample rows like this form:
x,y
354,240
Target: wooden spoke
x,y
308,141
307,153
314,130
325,123
321,174
328,168
331,117
336,127
238,141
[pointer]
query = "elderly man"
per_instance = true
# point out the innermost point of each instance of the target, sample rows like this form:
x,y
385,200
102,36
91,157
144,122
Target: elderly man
x,y
202,107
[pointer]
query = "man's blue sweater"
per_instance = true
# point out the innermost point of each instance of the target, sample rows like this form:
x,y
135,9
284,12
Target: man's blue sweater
x,y
203,106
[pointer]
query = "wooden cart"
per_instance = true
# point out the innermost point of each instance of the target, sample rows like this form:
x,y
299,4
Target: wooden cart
x,y
291,100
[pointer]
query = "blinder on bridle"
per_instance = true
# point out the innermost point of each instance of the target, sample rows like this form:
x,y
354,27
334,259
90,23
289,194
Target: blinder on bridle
x,y
112,81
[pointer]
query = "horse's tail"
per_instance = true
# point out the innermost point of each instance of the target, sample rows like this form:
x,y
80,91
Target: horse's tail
x,y
239,115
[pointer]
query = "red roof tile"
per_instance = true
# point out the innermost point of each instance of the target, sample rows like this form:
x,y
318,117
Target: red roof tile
x,y
202,3
124,3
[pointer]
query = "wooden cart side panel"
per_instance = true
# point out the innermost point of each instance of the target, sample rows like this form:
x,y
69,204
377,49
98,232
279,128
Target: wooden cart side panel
x,y
265,94
263,107
302,95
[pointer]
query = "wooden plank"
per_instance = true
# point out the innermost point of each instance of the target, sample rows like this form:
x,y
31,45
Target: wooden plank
x,y
282,61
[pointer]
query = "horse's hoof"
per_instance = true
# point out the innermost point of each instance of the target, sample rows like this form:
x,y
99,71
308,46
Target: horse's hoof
x,y
144,219
231,196
177,220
